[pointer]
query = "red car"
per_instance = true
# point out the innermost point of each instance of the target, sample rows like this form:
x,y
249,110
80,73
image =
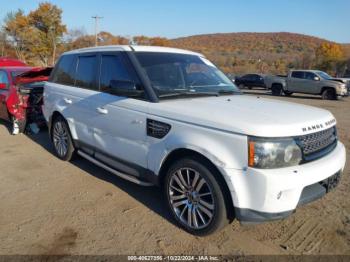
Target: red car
x,y
21,89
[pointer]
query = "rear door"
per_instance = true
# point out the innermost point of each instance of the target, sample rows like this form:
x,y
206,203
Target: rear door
x,y
4,79
76,91
120,126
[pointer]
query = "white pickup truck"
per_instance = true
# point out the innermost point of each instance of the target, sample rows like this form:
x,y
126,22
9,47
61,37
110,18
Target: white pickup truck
x,y
308,82
169,117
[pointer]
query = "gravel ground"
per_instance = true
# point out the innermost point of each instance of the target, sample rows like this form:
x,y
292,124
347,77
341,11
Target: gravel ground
x,y
53,207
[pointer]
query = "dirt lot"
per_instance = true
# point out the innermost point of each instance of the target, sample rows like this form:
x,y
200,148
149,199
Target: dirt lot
x,y
52,207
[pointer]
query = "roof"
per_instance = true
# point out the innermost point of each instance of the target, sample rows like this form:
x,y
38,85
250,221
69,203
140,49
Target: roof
x,y
136,48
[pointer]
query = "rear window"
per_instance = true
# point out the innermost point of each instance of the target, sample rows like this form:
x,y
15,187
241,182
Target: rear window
x,y
64,71
86,72
298,74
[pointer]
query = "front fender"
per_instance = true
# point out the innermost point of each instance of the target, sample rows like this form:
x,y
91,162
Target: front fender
x,y
224,150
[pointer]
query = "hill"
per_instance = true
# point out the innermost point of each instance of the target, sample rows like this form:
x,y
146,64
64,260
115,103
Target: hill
x,y
255,52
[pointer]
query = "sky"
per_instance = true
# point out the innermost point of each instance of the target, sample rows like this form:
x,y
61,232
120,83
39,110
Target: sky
x,y
328,19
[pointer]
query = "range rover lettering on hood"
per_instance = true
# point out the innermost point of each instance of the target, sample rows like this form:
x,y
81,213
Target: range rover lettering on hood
x,y
319,126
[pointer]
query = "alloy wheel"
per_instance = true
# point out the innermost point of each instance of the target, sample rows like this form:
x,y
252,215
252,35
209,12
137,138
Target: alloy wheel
x,y
60,139
191,198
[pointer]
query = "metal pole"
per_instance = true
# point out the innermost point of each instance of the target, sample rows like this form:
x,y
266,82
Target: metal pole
x,y
96,17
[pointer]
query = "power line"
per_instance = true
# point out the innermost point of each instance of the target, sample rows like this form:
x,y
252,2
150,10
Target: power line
x,y
96,17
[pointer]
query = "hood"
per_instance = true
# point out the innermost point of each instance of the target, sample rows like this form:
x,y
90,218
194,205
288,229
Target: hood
x,y
246,115
34,75
340,80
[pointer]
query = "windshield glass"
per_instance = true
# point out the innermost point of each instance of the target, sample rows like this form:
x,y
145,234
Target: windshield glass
x,y
172,73
324,75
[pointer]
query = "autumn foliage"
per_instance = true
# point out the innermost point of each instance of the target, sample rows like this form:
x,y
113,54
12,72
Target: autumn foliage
x,y
40,37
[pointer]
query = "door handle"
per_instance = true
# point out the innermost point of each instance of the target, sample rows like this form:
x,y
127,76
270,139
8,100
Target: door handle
x,y
102,110
68,101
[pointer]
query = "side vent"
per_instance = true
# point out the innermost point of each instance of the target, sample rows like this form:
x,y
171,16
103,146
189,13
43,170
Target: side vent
x,y
157,129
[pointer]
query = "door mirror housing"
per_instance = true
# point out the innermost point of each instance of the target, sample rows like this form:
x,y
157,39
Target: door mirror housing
x,y
3,86
124,88
316,78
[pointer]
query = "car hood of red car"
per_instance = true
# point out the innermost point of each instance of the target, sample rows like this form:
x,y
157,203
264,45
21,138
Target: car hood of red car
x,y
34,75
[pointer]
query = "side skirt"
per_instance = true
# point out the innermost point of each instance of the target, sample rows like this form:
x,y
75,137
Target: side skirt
x,y
117,173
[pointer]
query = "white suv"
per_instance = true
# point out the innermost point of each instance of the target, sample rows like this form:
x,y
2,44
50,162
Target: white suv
x,y
169,117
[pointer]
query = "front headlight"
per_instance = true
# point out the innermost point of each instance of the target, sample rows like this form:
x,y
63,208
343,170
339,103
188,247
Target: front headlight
x,y
268,153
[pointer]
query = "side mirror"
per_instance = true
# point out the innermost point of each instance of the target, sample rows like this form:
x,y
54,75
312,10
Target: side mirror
x,y
316,78
124,88
3,86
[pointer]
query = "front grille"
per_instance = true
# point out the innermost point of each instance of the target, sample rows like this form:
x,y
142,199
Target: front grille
x,y
318,144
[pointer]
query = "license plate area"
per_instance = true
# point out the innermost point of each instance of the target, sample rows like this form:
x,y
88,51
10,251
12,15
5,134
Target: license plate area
x,y
332,182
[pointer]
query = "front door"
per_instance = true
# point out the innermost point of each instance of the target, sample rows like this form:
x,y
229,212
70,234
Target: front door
x,y
120,124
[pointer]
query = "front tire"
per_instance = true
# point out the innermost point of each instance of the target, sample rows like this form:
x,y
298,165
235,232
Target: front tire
x,y
329,94
62,140
194,197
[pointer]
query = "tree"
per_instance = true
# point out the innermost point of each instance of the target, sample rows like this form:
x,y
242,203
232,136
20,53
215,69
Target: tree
x,y
106,38
155,41
330,57
18,30
47,20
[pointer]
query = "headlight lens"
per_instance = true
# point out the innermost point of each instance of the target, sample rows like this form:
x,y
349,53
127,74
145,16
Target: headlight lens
x,y
273,153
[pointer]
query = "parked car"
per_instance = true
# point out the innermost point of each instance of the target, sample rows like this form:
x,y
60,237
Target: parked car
x,y
6,62
21,90
250,81
169,117
308,82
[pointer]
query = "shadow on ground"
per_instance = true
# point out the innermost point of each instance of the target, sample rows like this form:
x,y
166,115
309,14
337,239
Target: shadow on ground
x,y
151,197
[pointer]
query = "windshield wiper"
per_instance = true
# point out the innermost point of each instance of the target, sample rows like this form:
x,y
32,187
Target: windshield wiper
x,y
228,92
189,94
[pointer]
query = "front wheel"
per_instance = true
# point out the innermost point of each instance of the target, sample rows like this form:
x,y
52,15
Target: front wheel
x,y
195,197
329,94
62,140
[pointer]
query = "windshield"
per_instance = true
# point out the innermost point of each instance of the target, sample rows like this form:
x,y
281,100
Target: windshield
x,y
177,74
324,75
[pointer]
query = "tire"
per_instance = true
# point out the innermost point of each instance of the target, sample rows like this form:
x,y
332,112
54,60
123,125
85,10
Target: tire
x,y
287,93
202,195
276,90
62,139
329,94
250,88
18,126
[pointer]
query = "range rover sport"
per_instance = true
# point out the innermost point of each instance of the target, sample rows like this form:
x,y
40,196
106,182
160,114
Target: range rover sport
x,y
169,117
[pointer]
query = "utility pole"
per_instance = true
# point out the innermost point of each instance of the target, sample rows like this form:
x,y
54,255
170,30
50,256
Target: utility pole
x,y
96,17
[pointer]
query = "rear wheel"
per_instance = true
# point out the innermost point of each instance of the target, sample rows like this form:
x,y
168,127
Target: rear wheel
x,y
195,197
329,94
277,90
62,140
